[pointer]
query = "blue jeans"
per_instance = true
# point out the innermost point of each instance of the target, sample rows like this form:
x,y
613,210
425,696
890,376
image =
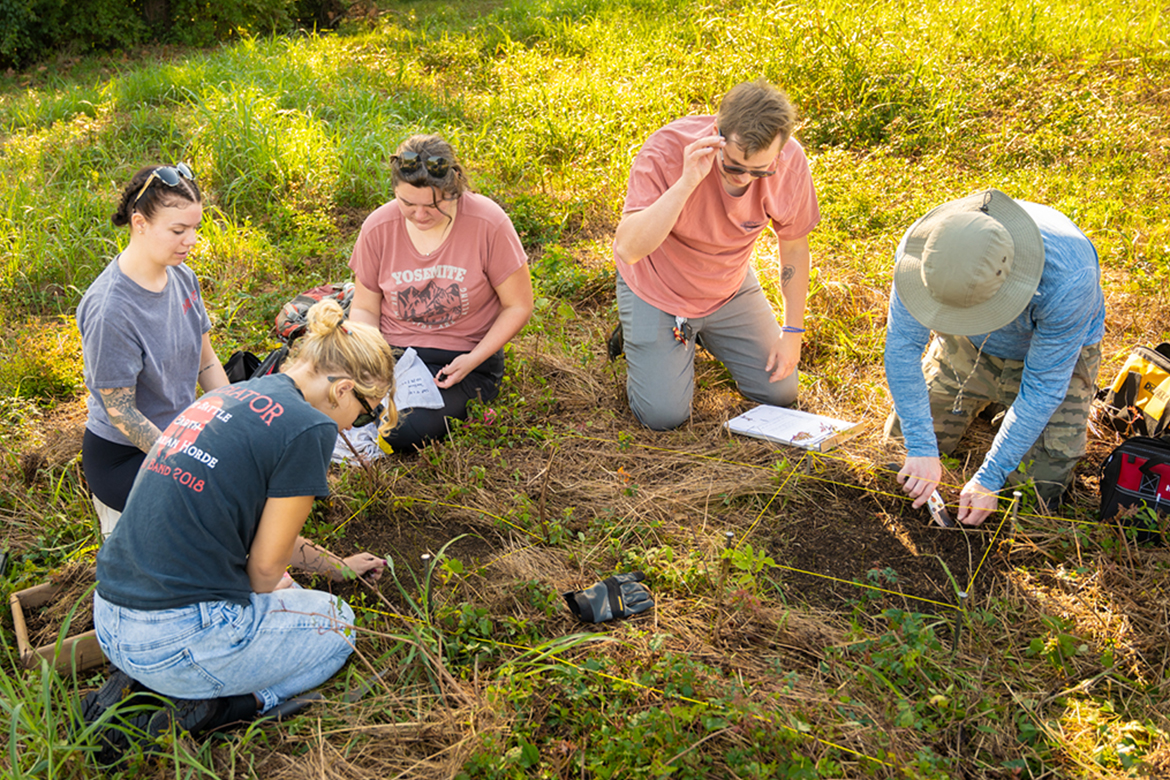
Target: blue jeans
x,y
277,646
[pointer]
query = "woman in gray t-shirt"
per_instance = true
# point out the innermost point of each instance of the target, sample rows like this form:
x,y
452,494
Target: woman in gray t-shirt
x,y
144,334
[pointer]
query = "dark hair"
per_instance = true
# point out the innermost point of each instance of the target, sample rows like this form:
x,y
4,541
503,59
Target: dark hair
x,y
157,196
756,113
451,185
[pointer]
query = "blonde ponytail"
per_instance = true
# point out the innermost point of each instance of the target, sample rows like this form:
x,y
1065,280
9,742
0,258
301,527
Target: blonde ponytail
x,y
334,345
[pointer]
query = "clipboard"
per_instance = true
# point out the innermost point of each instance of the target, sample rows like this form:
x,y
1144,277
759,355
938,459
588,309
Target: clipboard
x,y
795,428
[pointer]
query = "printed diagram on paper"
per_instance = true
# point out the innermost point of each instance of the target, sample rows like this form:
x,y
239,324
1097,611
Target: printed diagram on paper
x,y
790,426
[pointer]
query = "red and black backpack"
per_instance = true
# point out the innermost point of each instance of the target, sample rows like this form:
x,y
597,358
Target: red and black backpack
x,y
290,325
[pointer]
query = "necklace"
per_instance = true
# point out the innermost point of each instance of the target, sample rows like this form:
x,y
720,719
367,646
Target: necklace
x,y
957,408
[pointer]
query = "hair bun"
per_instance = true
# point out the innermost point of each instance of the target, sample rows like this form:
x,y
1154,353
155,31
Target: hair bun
x,y
324,317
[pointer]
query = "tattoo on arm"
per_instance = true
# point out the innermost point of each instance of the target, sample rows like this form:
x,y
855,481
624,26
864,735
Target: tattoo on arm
x,y
786,274
121,406
209,365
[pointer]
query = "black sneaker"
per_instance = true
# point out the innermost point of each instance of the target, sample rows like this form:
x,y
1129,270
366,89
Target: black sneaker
x,y
137,705
203,716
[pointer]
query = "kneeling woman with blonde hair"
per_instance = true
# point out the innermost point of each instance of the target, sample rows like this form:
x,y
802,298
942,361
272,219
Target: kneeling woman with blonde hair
x,y
193,600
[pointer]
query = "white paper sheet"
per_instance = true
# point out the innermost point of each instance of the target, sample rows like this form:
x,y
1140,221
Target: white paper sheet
x,y
414,385
791,426
364,440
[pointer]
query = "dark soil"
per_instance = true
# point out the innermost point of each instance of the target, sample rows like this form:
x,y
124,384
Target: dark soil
x,y
856,536
405,538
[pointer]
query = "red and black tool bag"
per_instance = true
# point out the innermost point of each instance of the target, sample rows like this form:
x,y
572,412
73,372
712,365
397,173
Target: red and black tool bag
x,y
1136,476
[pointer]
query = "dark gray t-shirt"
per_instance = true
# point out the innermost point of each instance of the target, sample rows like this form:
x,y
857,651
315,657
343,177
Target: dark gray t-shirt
x,y
189,523
132,337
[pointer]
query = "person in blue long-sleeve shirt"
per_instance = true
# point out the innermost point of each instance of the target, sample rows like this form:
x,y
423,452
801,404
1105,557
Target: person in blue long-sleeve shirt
x,y
1012,292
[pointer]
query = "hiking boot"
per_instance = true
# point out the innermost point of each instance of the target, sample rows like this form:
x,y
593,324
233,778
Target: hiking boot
x,y
203,716
133,716
615,345
117,687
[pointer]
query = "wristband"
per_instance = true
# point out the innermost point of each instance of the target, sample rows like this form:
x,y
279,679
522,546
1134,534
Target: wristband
x,y
790,329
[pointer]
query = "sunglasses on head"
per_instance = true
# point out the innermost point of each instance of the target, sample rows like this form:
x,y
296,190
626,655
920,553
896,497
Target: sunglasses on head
x,y
412,162
168,175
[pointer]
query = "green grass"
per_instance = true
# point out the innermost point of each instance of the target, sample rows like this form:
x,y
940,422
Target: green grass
x,y
903,106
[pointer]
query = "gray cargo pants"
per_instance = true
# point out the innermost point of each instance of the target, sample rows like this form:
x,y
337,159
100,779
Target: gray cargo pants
x,y
660,382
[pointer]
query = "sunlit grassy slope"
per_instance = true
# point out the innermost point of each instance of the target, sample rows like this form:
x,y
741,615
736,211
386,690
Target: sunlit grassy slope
x,y
903,106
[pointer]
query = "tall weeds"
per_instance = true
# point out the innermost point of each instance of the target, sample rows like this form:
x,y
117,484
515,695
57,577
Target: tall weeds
x,y
903,105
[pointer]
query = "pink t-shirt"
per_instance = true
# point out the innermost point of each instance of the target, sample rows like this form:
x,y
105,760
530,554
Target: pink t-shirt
x,y
445,300
704,259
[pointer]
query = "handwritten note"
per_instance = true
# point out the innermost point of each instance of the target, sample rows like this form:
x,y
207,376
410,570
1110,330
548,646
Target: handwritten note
x,y
414,386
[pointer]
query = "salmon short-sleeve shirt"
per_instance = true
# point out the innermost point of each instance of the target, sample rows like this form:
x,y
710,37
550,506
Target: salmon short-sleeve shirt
x,y
704,259
447,299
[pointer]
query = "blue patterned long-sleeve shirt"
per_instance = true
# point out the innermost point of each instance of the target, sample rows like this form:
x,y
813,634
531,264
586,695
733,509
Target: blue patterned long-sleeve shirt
x,y
1066,313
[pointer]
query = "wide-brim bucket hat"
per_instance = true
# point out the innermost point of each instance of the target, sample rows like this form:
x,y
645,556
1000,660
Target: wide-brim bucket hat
x,y
971,265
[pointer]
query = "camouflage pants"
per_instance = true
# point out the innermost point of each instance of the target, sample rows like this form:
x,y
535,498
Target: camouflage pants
x,y
951,360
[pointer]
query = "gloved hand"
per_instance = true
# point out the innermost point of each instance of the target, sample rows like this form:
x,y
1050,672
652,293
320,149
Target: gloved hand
x,y
621,595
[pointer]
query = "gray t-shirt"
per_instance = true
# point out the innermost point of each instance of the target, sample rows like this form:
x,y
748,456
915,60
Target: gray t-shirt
x,y
151,341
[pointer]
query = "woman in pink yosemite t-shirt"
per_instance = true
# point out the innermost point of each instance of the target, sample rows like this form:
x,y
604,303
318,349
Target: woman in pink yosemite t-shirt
x,y
441,269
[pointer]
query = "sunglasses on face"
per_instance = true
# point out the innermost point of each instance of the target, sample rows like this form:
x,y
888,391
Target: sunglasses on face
x,y
735,170
168,175
412,162
368,415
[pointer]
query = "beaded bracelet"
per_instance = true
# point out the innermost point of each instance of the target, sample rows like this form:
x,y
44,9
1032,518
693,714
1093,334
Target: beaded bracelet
x,y
790,329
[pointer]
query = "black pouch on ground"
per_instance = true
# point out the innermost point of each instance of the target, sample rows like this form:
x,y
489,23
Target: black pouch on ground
x,y
618,596
1137,475
1136,403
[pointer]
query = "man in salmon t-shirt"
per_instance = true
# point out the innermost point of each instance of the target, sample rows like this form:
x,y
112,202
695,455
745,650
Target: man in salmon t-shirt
x,y
701,191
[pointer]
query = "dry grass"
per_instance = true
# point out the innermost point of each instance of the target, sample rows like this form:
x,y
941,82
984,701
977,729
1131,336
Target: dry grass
x,y
564,456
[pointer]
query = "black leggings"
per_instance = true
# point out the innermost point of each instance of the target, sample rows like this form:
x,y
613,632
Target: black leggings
x,y
416,427
110,468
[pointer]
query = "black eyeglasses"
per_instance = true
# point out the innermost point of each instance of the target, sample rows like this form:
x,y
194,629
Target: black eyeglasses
x,y
168,175
735,170
368,415
412,162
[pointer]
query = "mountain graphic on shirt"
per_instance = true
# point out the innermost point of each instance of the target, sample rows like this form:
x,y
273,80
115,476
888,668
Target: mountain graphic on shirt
x,y
431,305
